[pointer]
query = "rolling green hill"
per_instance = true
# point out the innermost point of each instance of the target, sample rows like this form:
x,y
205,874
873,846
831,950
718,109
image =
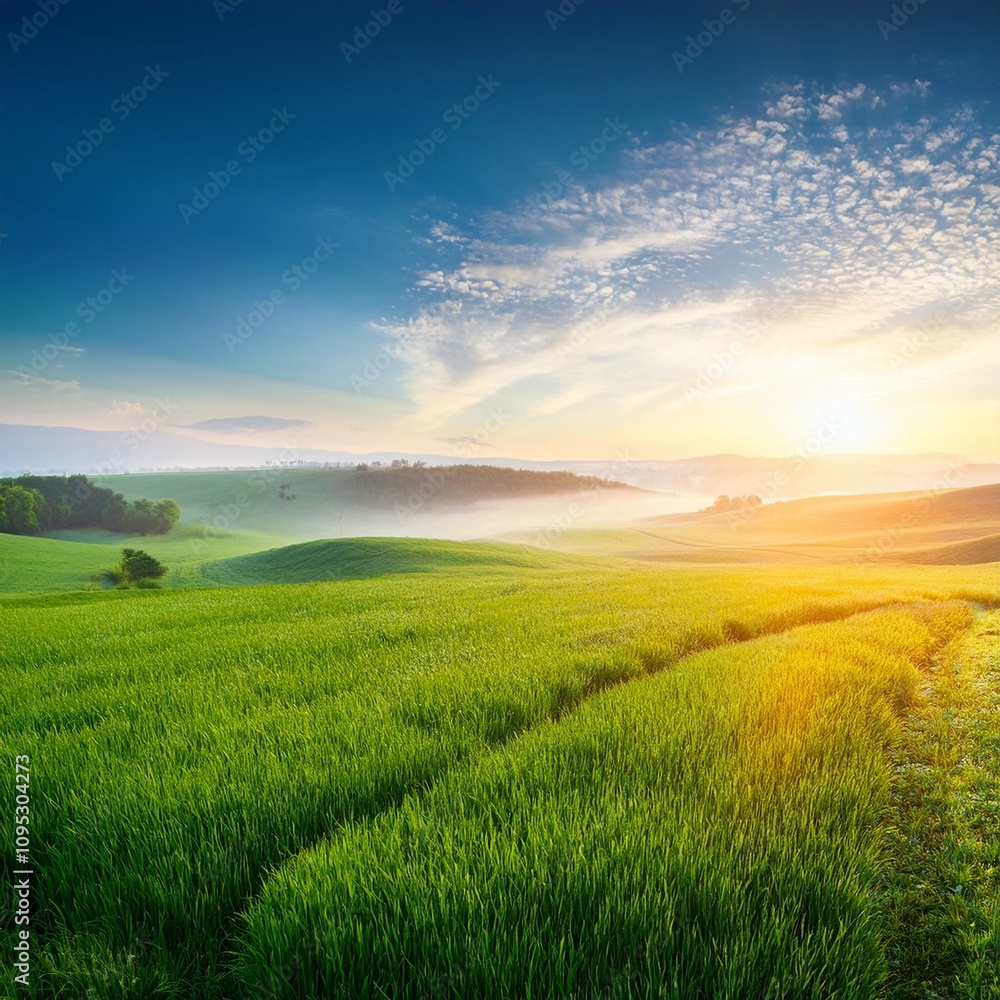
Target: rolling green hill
x,y
251,539
200,556
359,558
249,500
40,565
329,503
70,559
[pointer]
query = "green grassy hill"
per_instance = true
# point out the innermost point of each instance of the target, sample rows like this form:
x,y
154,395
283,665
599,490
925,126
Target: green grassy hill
x,y
250,539
199,556
40,565
70,559
358,558
937,517
249,500
330,503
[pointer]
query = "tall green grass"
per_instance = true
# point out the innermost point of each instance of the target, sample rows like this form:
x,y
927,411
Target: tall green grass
x,y
185,744
712,831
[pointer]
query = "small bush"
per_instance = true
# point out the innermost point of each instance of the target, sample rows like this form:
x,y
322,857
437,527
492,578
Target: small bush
x,y
136,569
139,565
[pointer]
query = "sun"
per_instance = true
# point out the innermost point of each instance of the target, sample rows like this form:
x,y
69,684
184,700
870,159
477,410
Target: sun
x,y
861,430
847,426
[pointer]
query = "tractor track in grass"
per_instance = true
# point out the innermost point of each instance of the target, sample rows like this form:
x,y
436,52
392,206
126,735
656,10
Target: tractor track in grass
x,y
647,662
295,901
564,712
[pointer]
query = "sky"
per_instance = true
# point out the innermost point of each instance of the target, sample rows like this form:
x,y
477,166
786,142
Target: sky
x,y
546,230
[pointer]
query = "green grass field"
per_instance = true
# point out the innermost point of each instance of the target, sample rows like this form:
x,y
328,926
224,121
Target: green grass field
x,y
68,560
410,768
709,830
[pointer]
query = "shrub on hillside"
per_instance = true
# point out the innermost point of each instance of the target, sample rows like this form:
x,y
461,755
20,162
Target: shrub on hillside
x,y
136,569
139,565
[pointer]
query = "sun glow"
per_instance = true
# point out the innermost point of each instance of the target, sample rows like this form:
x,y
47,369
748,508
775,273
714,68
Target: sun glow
x,y
839,426
861,429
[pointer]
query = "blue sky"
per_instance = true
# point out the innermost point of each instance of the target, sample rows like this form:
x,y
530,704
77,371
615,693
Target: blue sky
x,y
607,249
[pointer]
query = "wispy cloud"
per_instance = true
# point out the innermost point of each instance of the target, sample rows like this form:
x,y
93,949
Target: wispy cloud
x,y
127,409
465,442
848,214
43,384
241,425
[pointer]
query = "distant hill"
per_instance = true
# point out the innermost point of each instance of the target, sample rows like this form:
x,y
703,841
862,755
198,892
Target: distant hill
x,y
330,503
25,447
777,478
956,527
464,484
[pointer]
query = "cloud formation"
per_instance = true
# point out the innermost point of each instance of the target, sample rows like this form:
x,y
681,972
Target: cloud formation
x,y
127,409
37,382
240,425
826,230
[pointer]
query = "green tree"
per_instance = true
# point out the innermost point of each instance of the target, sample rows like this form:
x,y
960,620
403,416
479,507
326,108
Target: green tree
x,y
169,513
52,513
141,518
137,565
114,514
21,508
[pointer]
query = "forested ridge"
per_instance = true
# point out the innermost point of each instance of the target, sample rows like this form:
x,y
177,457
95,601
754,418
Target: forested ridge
x,y
30,505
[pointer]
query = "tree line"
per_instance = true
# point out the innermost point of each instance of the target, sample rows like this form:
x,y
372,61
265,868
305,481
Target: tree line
x,y
725,503
375,484
31,504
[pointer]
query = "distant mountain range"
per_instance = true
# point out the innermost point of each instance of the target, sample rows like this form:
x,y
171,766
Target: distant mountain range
x,y
31,448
